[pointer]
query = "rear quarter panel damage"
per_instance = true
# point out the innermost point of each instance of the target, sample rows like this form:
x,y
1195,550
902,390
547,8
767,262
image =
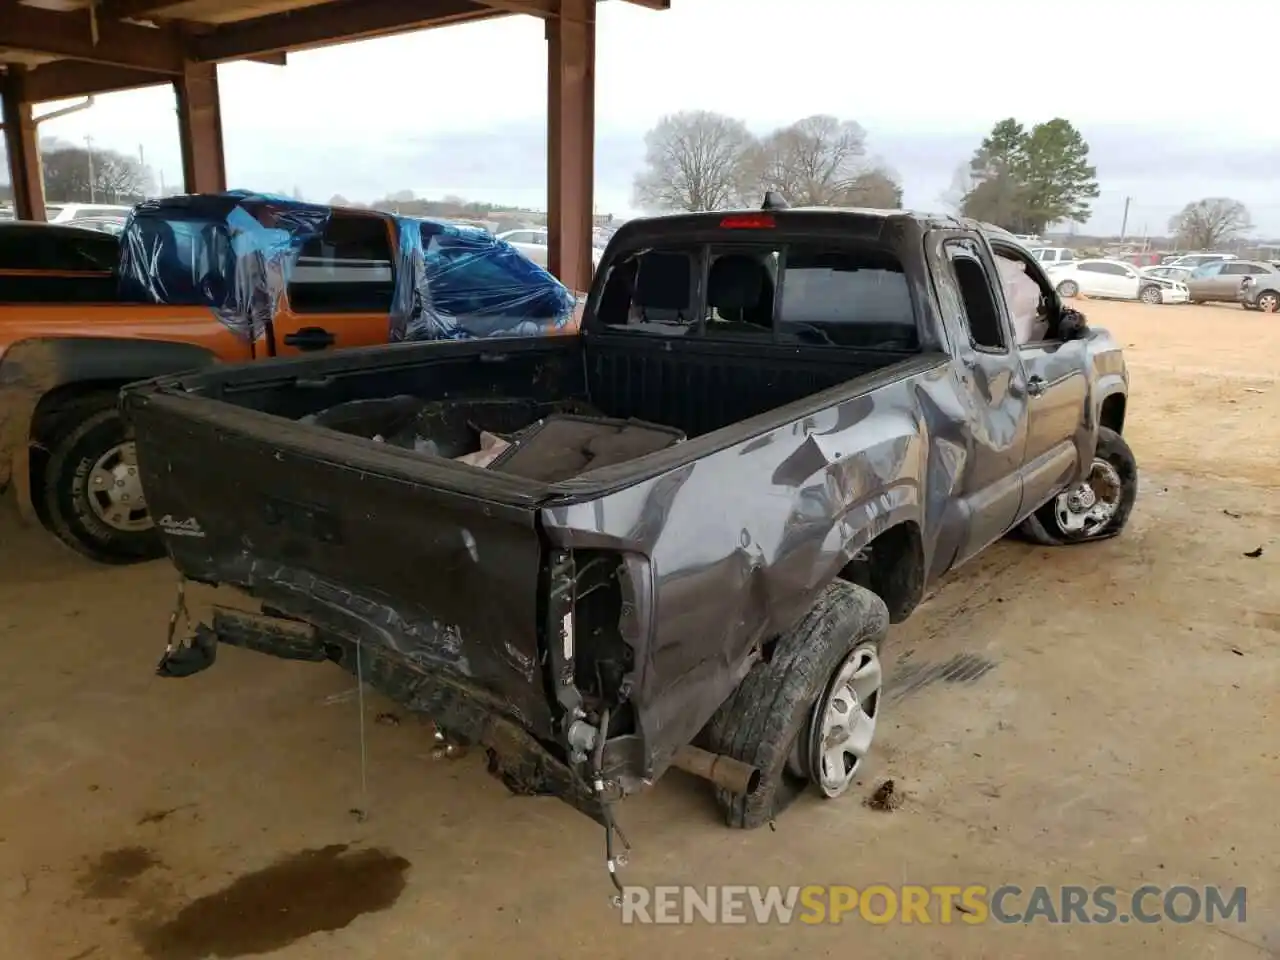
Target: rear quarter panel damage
x,y
733,549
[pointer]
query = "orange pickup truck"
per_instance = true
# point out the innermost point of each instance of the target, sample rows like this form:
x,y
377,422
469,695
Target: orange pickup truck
x,y
213,279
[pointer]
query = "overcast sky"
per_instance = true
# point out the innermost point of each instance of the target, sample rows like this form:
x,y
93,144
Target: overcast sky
x,y
462,109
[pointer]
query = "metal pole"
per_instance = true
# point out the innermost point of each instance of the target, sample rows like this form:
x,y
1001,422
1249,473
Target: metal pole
x,y
88,142
1124,223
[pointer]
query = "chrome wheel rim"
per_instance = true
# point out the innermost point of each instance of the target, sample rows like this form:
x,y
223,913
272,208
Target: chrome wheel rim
x,y
1268,303
1067,289
115,490
1151,295
843,725
1086,508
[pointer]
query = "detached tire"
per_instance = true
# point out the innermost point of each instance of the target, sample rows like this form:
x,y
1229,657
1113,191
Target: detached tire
x,y
92,493
1097,509
769,721
1068,289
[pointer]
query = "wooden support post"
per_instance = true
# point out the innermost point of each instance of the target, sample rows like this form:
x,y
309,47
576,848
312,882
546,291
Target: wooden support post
x,y
22,146
204,167
571,54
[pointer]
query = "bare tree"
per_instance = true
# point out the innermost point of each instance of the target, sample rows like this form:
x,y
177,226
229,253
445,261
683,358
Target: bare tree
x,y
812,162
119,176
1209,223
963,181
877,188
694,160
116,176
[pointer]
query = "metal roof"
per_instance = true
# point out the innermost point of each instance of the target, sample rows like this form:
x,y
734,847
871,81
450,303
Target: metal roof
x,y
72,48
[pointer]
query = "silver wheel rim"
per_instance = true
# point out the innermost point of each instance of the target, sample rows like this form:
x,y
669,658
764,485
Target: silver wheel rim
x,y
843,724
1151,295
1068,289
1268,303
1086,508
115,490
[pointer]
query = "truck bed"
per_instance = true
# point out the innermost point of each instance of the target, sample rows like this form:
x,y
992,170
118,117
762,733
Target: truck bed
x,y
453,568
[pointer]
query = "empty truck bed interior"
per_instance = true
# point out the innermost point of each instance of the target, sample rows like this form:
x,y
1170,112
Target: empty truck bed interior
x,y
693,387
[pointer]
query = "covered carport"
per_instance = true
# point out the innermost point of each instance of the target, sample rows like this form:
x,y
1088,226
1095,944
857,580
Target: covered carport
x,y
57,49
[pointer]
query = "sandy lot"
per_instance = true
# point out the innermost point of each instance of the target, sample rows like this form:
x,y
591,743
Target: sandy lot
x,y
1117,724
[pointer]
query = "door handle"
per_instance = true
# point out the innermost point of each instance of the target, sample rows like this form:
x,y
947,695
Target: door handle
x,y
1035,386
311,338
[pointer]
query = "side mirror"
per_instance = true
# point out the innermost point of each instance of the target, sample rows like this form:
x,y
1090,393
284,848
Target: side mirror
x,y
1072,325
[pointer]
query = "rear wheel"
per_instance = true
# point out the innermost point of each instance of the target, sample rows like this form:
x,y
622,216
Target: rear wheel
x,y
807,716
1068,288
1151,295
1095,509
1268,301
93,497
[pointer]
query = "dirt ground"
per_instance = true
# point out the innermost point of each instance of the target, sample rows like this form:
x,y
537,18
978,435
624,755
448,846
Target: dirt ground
x,y
1104,714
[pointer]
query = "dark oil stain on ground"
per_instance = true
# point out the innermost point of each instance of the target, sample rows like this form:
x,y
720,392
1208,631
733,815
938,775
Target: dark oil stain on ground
x,y
108,877
313,891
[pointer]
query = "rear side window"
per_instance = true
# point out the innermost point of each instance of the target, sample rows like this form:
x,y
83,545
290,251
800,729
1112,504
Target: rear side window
x,y
346,270
46,249
981,314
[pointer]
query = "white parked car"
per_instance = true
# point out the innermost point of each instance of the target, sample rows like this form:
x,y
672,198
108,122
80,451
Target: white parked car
x,y
1115,280
1166,272
533,244
1051,256
65,212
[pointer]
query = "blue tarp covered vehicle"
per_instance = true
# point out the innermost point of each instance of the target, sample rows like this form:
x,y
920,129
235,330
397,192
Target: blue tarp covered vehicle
x,y
252,258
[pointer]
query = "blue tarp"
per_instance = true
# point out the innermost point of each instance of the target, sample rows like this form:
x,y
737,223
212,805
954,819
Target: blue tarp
x,y
236,253
460,283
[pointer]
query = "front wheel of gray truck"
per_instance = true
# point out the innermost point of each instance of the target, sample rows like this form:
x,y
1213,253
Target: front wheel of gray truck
x,y
806,714
1095,509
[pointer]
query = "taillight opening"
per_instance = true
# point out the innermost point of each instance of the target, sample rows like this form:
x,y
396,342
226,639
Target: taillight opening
x,y
748,221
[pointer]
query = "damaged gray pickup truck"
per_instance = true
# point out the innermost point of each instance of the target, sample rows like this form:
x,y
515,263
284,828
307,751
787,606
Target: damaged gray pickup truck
x,y
675,538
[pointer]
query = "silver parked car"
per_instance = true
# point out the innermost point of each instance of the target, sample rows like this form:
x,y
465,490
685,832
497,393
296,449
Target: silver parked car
x,y
532,242
1220,281
1261,291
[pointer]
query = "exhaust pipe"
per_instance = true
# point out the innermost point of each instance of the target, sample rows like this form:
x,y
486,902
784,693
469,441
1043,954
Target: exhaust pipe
x,y
725,772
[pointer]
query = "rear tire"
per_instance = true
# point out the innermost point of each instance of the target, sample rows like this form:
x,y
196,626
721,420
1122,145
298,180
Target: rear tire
x,y
1068,289
1068,517
769,721
1268,301
92,497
